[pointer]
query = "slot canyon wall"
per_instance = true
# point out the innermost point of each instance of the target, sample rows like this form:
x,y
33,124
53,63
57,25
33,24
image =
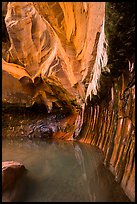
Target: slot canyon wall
x,y
77,56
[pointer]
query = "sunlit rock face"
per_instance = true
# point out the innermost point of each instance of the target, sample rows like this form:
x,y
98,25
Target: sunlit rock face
x,y
78,56
51,41
109,116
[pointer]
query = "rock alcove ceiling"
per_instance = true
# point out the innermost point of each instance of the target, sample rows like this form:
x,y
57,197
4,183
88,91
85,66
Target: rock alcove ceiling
x,y
77,57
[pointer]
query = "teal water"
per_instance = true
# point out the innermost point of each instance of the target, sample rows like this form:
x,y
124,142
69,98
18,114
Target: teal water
x,y
61,171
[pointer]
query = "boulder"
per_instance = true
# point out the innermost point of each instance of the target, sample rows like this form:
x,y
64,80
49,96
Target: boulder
x,y
12,174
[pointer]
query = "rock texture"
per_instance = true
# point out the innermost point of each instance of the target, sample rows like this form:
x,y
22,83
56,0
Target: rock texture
x,y
79,57
111,127
109,117
12,172
57,51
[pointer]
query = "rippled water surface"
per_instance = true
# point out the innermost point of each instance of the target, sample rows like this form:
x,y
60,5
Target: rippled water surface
x,y
61,171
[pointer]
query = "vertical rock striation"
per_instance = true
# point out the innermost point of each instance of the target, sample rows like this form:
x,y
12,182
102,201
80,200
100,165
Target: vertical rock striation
x,y
110,125
80,57
109,116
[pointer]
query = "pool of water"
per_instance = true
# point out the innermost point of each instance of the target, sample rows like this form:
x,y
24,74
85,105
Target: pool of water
x,y
61,171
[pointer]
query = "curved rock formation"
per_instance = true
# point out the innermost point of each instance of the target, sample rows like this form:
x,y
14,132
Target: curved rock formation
x,y
54,51
80,57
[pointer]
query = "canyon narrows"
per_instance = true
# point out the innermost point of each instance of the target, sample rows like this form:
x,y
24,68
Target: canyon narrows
x,y
69,68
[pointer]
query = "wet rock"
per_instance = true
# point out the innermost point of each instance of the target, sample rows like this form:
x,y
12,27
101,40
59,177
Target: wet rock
x,y
45,132
12,177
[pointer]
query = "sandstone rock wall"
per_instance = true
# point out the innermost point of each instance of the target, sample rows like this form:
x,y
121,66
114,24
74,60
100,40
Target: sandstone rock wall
x,y
79,56
111,126
61,46
109,116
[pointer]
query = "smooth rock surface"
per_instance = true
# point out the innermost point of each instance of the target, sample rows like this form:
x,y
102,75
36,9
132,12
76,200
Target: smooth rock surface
x,y
12,174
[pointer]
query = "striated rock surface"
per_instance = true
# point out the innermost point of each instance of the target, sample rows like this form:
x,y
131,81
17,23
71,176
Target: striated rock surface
x,y
109,116
57,49
111,126
78,57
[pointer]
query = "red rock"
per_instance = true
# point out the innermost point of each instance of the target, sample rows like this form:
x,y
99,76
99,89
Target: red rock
x,y
12,172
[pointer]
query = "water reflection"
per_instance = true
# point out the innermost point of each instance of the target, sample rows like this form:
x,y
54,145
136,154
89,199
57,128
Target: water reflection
x,y
62,171
80,159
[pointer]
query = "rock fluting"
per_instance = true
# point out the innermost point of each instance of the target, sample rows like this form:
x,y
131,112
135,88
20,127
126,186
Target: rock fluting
x,y
80,57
